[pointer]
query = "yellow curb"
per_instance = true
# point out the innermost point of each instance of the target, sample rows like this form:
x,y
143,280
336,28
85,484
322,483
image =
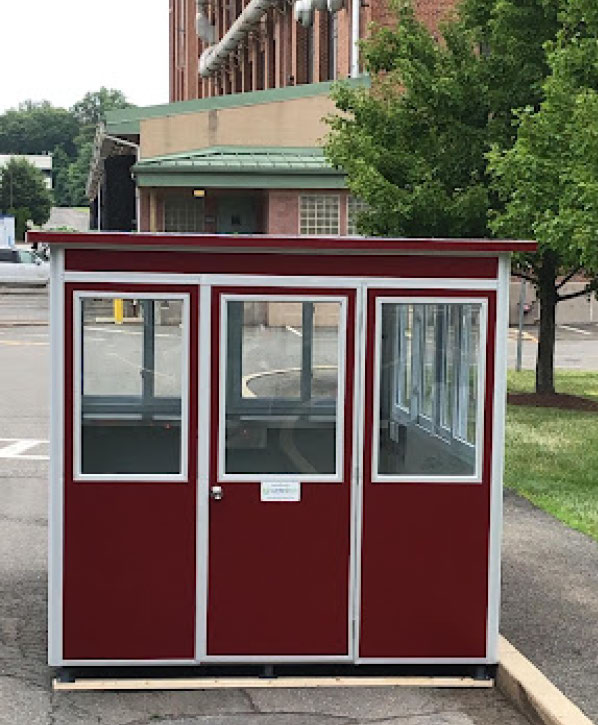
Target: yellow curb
x,y
532,692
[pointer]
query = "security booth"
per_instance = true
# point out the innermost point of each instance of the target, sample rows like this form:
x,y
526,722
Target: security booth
x,y
276,450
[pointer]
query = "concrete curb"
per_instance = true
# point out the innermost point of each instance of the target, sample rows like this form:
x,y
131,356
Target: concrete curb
x,y
532,693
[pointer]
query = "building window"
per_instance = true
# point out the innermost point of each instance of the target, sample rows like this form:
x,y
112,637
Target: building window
x,y
354,207
319,214
183,215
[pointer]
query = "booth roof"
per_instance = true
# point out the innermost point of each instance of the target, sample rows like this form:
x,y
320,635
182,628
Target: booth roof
x,y
277,242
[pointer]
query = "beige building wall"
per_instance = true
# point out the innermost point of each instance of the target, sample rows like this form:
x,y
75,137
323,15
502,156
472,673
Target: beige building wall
x,y
295,122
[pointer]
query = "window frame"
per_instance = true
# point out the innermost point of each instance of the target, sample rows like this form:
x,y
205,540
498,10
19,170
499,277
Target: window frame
x,y
338,476
320,233
476,477
183,475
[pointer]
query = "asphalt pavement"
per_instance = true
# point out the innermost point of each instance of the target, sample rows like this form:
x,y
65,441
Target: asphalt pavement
x,y
576,347
550,600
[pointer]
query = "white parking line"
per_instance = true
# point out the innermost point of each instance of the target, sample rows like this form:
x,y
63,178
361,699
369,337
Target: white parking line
x,y
575,329
17,446
294,330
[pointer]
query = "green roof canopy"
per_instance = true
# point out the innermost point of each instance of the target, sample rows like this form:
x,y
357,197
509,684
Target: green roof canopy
x,y
242,167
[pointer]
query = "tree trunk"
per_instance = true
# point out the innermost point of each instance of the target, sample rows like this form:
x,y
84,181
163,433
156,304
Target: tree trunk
x,y
547,295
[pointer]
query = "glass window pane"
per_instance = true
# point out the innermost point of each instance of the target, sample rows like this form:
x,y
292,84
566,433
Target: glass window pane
x,y
319,214
354,207
433,432
183,214
448,354
169,347
282,383
131,386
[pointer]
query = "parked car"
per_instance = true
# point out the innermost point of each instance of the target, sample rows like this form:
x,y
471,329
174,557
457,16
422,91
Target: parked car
x,y
21,266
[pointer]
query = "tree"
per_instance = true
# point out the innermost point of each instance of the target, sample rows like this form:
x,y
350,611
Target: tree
x,y
38,128
78,173
91,110
549,178
22,187
415,147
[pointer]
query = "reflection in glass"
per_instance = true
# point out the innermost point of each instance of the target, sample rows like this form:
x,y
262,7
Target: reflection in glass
x,y
429,388
131,385
282,383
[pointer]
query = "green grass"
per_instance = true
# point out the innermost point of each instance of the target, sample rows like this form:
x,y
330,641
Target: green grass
x,y
552,455
565,381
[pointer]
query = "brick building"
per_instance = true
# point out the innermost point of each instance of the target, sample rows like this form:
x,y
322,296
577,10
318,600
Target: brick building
x,y
238,148
218,48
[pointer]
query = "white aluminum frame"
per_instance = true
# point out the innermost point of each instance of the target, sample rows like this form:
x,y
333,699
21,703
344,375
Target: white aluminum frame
x,y
476,477
78,476
499,405
204,415
336,477
56,483
205,282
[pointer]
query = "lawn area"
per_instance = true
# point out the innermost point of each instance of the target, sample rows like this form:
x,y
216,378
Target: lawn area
x,y
552,455
572,382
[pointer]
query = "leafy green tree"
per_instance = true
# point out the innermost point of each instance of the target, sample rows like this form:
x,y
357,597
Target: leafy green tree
x,y
549,178
91,110
78,173
22,215
22,187
37,128
416,147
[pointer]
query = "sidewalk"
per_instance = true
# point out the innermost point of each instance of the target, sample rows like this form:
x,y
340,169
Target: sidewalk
x,y
550,599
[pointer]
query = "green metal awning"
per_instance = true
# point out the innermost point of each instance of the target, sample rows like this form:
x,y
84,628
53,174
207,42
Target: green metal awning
x,y
241,167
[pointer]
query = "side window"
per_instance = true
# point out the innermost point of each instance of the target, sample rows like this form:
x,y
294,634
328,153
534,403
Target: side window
x,y
430,364
132,378
354,208
282,404
319,214
183,214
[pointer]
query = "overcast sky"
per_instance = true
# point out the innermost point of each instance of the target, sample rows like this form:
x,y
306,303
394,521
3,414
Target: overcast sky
x,y
57,50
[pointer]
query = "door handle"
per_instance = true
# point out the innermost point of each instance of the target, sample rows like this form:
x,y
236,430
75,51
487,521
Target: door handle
x,y
216,493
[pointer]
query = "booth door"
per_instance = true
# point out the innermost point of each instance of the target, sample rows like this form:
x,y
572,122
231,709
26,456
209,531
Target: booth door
x,y
427,467
280,488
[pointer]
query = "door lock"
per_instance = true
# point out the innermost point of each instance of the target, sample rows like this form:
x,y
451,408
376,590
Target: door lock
x,y
216,493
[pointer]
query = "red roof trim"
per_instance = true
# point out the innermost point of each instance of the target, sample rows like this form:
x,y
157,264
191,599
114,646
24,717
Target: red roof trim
x,y
274,242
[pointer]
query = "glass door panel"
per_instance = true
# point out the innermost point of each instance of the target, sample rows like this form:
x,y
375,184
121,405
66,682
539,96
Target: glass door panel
x,y
282,383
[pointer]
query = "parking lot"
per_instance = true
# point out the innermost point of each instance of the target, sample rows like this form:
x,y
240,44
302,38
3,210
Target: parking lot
x,y
25,680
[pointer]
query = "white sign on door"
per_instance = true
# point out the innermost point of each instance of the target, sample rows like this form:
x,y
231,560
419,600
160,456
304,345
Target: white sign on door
x,y
281,491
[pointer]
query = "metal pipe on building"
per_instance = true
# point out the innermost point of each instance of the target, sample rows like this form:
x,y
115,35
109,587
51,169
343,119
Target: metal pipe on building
x,y
355,8
214,56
